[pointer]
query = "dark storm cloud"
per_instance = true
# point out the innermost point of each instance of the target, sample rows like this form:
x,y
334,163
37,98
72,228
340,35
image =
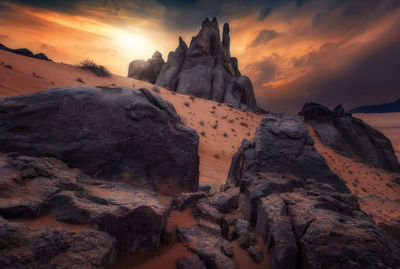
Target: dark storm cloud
x,y
374,78
263,37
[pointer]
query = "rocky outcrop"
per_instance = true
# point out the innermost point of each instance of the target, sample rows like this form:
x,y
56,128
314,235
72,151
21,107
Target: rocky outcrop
x,y
216,252
25,247
350,136
205,69
303,211
31,187
26,52
193,262
111,133
146,70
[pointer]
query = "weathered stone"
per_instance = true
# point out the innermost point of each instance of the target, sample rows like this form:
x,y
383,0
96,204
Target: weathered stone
x,y
350,136
204,188
255,253
226,201
188,199
147,70
243,235
216,252
193,262
135,217
112,133
207,70
54,248
310,220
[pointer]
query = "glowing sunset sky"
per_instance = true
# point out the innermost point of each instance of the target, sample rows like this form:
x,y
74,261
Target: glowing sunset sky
x,y
331,51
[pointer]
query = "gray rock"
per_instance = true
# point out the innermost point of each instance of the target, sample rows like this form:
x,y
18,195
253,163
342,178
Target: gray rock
x,y
193,262
281,145
309,219
147,70
351,136
25,247
111,133
188,199
216,252
243,235
135,217
207,70
204,210
169,72
204,188
226,201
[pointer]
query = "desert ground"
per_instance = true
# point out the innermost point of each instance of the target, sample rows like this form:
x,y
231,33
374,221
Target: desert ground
x,y
221,130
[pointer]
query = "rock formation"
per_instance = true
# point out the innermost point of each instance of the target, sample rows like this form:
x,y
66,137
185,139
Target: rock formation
x,y
32,187
303,211
146,70
206,69
112,133
24,247
26,52
350,136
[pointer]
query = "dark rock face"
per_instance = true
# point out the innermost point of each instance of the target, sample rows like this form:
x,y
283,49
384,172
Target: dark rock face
x,y
281,145
188,199
146,70
304,212
30,187
226,201
109,133
26,52
206,69
25,247
193,262
216,252
350,136
247,239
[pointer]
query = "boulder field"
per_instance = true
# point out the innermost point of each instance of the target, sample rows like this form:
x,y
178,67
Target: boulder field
x,y
204,69
115,162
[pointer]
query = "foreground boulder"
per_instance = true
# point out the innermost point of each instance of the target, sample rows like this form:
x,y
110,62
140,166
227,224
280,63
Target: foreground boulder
x,y
146,70
113,133
31,187
350,136
303,211
216,252
207,70
25,247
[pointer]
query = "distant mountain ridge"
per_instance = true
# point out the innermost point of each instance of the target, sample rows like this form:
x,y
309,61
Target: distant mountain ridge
x,y
26,52
382,108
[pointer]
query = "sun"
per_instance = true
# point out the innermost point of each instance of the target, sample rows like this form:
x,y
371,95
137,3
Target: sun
x,y
128,41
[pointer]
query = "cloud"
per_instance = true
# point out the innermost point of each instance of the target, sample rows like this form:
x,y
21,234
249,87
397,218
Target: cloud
x,y
263,37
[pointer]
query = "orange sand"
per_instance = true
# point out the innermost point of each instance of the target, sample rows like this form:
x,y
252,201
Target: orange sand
x,y
212,118
376,189
50,220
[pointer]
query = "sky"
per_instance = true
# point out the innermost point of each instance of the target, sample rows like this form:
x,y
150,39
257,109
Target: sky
x,y
294,51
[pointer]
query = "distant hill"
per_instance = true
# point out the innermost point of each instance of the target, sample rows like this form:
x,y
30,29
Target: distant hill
x,y
382,108
26,52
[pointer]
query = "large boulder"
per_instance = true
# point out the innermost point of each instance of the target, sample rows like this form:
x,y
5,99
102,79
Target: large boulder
x,y
207,70
350,136
113,133
31,187
146,70
304,212
25,247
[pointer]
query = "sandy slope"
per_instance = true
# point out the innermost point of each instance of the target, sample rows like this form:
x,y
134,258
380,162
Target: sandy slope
x,y
210,119
378,191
